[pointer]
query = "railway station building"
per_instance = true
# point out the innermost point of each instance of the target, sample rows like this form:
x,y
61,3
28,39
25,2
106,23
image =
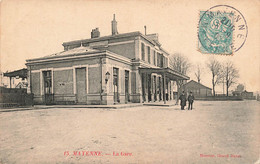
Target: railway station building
x,y
119,68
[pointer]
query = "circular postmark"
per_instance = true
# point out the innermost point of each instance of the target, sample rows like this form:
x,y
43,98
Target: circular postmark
x,y
222,30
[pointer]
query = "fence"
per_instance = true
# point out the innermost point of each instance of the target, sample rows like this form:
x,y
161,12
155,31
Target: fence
x,y
16,96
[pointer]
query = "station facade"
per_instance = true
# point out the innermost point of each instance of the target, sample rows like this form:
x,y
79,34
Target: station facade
x,y
119,68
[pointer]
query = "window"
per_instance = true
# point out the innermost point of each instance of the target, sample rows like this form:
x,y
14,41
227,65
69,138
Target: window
x,y
143,52
154,58
149,54
162,60
47,78
159,59
115,76
166,62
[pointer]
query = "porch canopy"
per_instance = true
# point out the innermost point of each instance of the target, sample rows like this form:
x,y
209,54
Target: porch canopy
x,y
21,73
165,72
168,72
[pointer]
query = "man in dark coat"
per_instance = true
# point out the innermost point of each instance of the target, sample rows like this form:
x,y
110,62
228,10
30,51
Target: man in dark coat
x,y
183,100
190,99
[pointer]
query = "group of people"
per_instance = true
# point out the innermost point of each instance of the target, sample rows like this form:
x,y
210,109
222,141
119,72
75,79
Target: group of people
x,y
184,99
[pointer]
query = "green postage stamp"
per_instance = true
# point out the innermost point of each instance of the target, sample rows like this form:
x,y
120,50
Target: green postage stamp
x,y
222,30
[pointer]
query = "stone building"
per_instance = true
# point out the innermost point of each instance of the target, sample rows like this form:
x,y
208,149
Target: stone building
x,y
119,68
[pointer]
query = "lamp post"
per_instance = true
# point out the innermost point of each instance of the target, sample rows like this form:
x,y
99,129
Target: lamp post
x,y
107,77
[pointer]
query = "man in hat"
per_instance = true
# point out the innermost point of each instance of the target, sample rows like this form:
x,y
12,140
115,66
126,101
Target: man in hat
x,y
190,99
183,100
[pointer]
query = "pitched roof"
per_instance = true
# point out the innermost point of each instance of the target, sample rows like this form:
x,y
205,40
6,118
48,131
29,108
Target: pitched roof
x,y
109,37
88,50
78,50
74,51
170,73
196,83
129,34
22,73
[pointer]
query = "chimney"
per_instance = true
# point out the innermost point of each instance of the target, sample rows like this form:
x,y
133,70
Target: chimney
x,y
144,30
114,26
95,33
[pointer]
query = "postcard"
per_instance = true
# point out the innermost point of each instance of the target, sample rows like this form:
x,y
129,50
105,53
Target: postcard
x,y
159,81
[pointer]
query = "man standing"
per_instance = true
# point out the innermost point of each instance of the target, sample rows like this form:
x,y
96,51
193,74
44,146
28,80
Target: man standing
x,y
183,100
190,99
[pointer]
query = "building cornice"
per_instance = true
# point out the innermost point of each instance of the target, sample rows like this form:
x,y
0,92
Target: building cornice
x,y
107,54
62,56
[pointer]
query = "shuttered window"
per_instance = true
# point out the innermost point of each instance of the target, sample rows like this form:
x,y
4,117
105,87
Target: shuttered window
x,y
149,54
143,52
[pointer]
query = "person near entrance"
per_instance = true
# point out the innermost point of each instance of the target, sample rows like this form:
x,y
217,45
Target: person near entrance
x,y
190,100
183,100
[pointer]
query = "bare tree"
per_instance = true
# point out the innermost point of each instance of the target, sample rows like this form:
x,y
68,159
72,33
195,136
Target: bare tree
x,y
230,74
216,71
198,72
181,64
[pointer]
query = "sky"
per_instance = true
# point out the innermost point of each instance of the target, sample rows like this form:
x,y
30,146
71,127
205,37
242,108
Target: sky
x,y
31,29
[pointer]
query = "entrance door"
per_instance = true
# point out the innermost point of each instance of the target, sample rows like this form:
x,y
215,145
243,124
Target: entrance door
x,y
143,86
160,89
47,81
81,85
127,98
149,80
154,88
115,84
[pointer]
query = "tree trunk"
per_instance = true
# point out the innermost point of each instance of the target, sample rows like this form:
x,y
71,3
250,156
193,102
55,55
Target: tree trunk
x,y
213,90
213,86
227,89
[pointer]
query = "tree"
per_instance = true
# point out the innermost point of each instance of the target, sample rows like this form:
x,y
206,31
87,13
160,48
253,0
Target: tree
x,y
179,63
240,88
216,71
230,74
198,73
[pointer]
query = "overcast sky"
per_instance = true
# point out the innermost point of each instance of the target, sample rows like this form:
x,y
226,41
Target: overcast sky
x,y
31,29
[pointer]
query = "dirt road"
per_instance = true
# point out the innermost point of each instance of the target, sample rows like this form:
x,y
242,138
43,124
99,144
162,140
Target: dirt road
x,y
214,132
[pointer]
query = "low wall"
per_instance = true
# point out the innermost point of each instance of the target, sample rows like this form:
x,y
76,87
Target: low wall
x,y
15,96
220,98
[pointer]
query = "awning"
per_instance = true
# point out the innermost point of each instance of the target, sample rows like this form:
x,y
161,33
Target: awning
x,y
169,73
21,73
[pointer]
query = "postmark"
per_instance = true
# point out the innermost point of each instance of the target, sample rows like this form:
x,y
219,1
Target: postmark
x,y
222,30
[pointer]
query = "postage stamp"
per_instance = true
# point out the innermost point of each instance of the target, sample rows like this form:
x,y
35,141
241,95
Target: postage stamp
x,y
222,30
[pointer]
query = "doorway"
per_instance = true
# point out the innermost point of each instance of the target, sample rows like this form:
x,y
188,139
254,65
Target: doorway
x,y
154,88
127,97
143,86
81,85
149,80
115,84
160,88
47,87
